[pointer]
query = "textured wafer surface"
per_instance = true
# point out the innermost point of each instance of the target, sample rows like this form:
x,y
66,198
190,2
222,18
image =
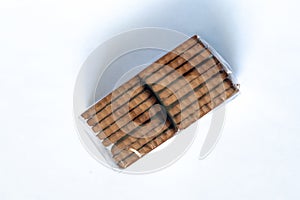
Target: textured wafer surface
x,y
167,96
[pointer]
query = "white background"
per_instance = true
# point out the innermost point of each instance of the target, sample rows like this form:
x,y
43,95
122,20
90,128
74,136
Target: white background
x,y
44,43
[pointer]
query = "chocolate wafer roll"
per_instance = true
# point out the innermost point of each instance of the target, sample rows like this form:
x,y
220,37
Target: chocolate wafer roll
x,y
164,136
191,101
183,85
146,122
178,61
189,87
171,73
191,75
223,92
169,57
131,83
117,122
168,70
205,100
134,156
137,142
120,108
106,112
203,96
132,140
99,106
128,156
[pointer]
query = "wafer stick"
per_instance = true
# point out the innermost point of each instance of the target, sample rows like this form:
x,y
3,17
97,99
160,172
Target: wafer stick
x,y
106,111
136,114
100,116
228,92
164,136
172,55
119,106
97,128
123,88
120,144
113,123
188,74
208,107
188,87
147,148
195,95
186,83
137,154
204,75
189,106
173,73
167,69
101,135
184,100
99,106
122,153
111,120
207,98
203,94
176,78
187,119
132,142
136,132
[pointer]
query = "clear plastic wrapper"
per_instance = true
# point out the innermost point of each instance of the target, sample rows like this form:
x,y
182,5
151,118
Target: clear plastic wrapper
x,y
169,95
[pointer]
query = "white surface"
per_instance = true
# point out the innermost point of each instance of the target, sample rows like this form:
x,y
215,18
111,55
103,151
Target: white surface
x,y
43,44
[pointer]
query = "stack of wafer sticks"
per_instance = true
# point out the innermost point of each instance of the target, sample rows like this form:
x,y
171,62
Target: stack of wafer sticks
x,y
167,96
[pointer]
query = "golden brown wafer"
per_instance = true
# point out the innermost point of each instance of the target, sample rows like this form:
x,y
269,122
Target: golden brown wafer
x,y
192,85
165,92
136,143
133,142
114,122
190,98
171,73
170,56
223,92
147,123
168,69
129,119
207,98
107,110
147,148
203,98
128,156
129,84
119,106
106,100
186,83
